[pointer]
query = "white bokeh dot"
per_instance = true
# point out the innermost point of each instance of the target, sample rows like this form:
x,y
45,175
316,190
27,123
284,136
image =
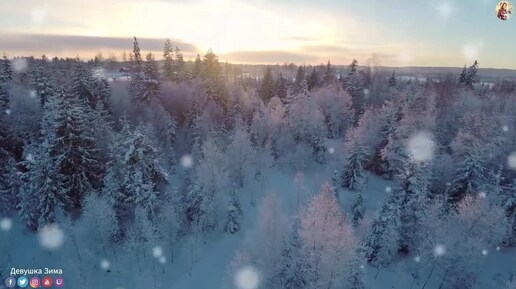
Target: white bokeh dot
x,y
505,128
498,248
105,264
482,195
417,259
445,9
8,111
157,252
51,237
484,252
439,250
187,161
247,278
32,93
6,224
388,189
511,161
331,150
420,147
20,65
471,51
162,259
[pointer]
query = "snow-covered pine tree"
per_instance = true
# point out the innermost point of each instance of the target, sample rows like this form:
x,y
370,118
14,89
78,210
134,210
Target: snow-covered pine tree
x,y
179,64
74,148
82,86
6,70
168,57
292,274
9,183
469,177
42,83
151,84
383,243
353,174
266,90
358,208
198,207
392,80
233,214
197,66
413,193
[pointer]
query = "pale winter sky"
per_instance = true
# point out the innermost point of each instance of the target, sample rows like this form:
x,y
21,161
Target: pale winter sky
x,y
398,32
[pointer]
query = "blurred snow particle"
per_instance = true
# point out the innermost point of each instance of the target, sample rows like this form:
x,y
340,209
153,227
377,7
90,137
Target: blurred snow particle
x,y
157,252
471,51
366,92
439,250
38,16
421,147
247,278
498,248
162,260
51,237
445,9
405,58
29,157
105,265
331,150
484,252
417,259
32,94
505,128
8,111
482,195
388,189
99,73
20,65
362,267
187,161
6,224
511,161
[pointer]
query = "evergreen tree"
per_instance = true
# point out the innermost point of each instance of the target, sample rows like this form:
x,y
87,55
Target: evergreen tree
x,y
300,78
179,64
267,90
234,213
168,57
281,87
329,74
42,83
382,244
6,70
469,178
313,79
392,80
197,66
83,86
358,208
150,86
292,272
471,75
353,174
463,77
198,207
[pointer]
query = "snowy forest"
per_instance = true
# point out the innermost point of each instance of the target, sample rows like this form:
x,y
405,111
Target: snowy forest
x,y
190,174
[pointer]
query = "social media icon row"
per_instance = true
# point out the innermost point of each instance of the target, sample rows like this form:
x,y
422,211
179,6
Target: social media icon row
x,y
34,282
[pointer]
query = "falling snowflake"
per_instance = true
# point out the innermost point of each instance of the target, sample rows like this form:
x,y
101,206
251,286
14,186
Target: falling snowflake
x,y
388,189
6,224
484,252
511,161
482,195
20,65
247,278
157,252
421,147
8,111
362,267
29,157
32,94
331,150
187,161
105,265
417,259
445,9
498,248
38,16
99,73
439,250
471,51
505,128
366,91
51,237
162,260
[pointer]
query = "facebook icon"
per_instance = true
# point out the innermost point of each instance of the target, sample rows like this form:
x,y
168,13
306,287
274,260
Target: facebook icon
x,y
10,282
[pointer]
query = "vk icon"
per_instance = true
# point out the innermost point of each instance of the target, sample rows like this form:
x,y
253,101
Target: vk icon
x,y
10,282
23,282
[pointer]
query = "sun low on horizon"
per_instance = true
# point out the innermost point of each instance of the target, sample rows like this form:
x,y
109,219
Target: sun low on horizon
x,y
401,33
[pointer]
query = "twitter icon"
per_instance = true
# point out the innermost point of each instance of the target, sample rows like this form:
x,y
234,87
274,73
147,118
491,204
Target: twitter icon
x,y
23,282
